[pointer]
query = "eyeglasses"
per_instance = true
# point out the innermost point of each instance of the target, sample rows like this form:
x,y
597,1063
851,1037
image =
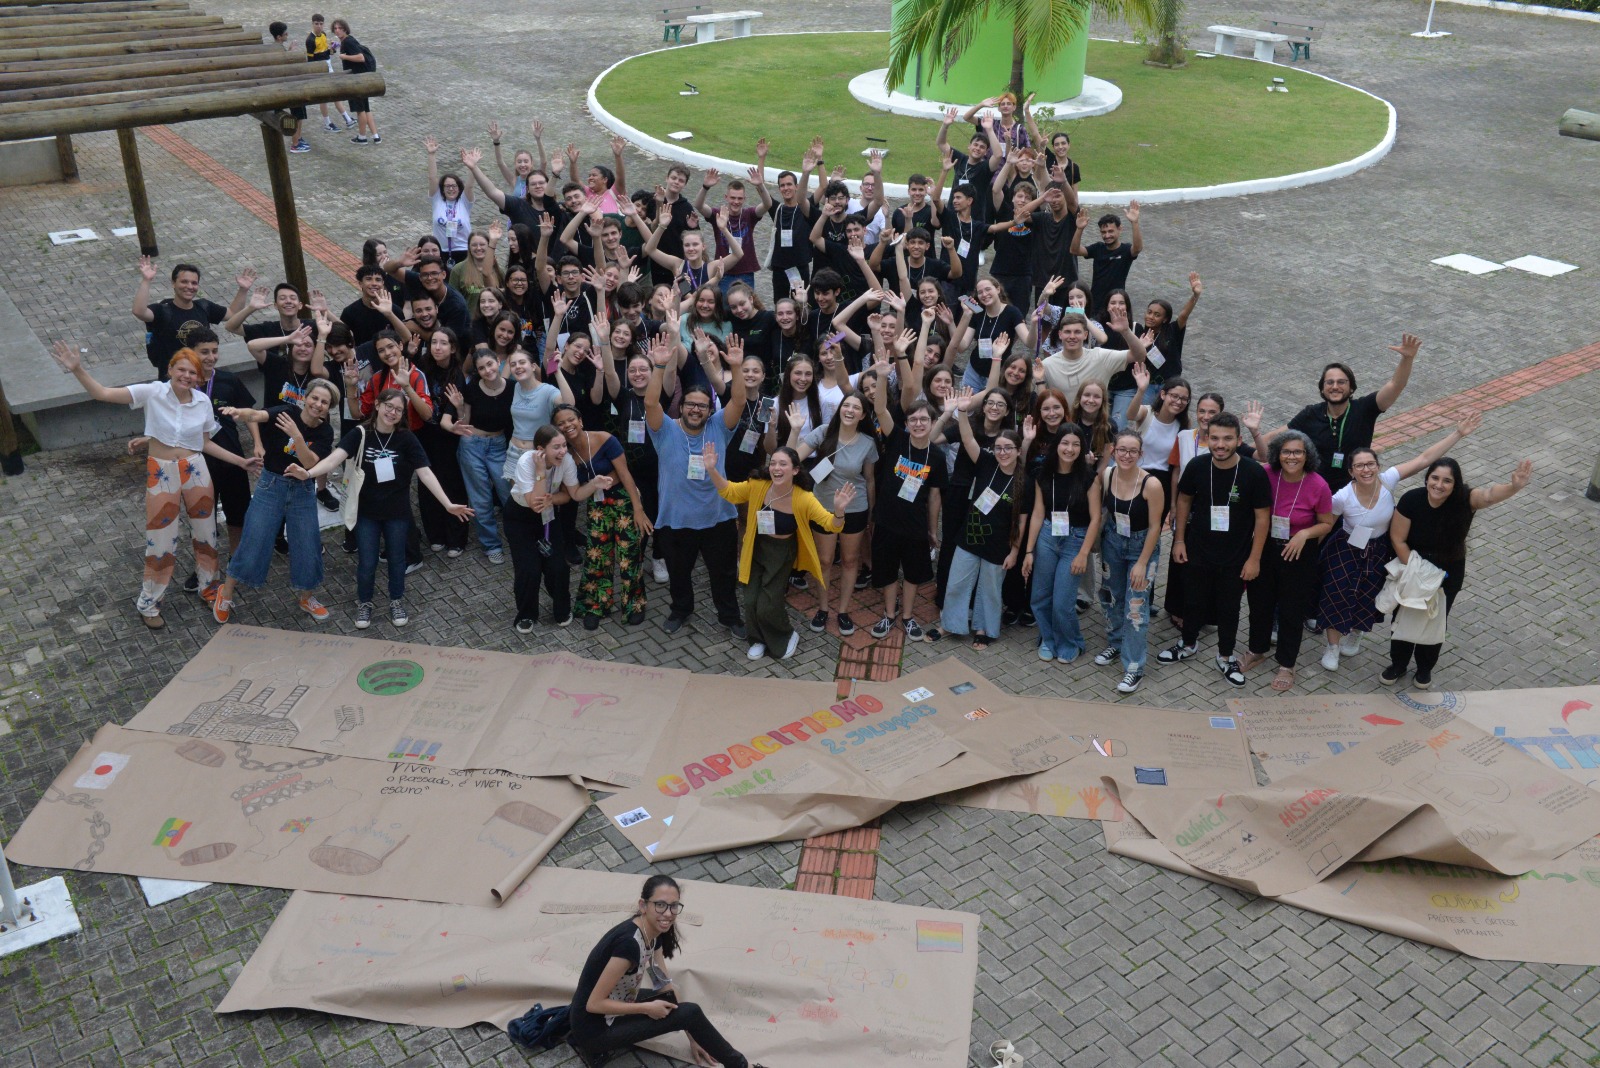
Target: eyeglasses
x,y
695,406
1366,465
664,907
1127,452
1293,452
395,408
1005,448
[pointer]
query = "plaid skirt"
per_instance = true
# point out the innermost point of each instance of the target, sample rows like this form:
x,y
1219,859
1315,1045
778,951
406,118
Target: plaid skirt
x,y
1351,579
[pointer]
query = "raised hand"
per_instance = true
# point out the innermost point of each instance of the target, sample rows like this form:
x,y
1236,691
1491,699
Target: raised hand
x,y
950,115
572,160
843,496
1409,344
999,345
452,393
1083,218
1469,422
260,298
1251,419
1118,319
147,268
797,413
67,356
471,156
246,278
494,130
1194,282
538,129
1133,211
1141,375
617,145
383,303
1522,476
318,302
904,342
757,174
735,354
1055,283
875,162
496,232
431,143
713,176
547,224
709,454
660,350
287,424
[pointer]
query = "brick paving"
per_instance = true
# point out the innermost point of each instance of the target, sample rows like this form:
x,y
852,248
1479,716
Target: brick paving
x,y
1086,958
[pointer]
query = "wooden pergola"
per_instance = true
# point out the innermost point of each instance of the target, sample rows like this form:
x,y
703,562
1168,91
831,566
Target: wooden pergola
x,y
80,66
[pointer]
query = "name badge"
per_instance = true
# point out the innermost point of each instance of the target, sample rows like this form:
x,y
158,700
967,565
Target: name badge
x,y
986,501
697,467
747,443
1338,461
786,240
766,522
1280,528
561,339
1153,356
1124,525
823,469
383,468
985,348
963,247
1360,536
1219,518
635,431
909,488
793,273
1060,524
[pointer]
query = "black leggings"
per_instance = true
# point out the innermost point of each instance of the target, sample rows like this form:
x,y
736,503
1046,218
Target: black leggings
x,y
1427,655
1212,593
1286,590
629,1031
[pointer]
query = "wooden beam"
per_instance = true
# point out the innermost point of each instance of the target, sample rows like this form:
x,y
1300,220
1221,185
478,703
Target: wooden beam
x,y
120,85
13,35
75,4
1584,124
128,48
211,83
95,39
281,93
67,158
109,68
10,20
137,196
294,257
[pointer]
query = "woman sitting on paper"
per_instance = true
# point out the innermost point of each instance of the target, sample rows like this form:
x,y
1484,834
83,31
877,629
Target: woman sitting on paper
x,y
625,995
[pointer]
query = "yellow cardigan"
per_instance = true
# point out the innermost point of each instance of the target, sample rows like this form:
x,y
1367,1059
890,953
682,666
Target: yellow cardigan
x,y
807,510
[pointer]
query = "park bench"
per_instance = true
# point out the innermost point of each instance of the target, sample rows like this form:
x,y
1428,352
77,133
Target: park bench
x,y
1301,33
673,20
738,23
1265,42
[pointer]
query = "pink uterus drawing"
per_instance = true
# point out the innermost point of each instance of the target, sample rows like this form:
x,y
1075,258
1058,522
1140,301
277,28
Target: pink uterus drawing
x,y
582,701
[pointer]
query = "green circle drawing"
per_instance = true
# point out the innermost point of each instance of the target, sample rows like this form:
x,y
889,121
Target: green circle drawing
x,y
387,678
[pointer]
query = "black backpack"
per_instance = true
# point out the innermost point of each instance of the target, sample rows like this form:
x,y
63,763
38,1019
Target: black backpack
x,y
372,61
540,1028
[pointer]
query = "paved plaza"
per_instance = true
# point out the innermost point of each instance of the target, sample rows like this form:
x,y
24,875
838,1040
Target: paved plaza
x,y
1086,958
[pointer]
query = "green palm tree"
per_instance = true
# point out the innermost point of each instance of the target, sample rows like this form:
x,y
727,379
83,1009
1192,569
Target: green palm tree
x,y
1041,28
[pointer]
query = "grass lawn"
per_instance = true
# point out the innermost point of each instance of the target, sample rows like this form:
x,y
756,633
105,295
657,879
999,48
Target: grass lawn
x,y
1211,122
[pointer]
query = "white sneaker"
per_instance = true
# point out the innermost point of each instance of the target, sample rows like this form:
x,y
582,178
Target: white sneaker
x,y
1330,657
659,568
1350,644
756,651
794,643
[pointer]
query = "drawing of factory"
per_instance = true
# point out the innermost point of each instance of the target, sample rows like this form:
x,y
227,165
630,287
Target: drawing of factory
x,y
234,719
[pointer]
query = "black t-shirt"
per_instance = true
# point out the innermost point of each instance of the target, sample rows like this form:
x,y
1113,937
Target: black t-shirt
x,y
930,267
1051,160
581,380
1065,493
985,328
1013,249
797,221
280,383
579,313
626,941
169,330
453,311
1335,439
352,48
973,233
1111,267
964,469
1168,342
899,460
391,499
280,447
759,332
1439,534
489,413
257,331
364,322
980,175
227,390
1244,488
1052,247
988,536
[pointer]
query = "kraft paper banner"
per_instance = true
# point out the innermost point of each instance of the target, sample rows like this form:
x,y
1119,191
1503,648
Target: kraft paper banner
x,y
784,760
1129,743
1559,727
1454,795
185,808
1540,916
798,980
553,714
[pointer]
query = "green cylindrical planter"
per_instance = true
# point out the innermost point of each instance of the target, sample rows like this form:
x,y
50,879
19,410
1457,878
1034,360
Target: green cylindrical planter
x,y
984,69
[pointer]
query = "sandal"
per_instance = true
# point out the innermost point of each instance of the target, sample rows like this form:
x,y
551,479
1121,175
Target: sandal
x,y
1283,682
981,642
1250,661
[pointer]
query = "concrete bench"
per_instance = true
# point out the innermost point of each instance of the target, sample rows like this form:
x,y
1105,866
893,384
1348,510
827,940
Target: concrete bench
x,y
1265,42
738,24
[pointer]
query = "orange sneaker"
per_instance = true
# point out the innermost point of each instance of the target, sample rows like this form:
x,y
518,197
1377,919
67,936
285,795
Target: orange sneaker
x,y
313,608
210,592
221,609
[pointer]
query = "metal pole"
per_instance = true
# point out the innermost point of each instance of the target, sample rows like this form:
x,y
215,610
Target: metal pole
x,y
10,910
1428,30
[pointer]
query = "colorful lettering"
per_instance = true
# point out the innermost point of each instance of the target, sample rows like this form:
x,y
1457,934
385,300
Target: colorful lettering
x,y
827,718
796,730
1295,811
743,756
722,764
672,786
698,776
763,744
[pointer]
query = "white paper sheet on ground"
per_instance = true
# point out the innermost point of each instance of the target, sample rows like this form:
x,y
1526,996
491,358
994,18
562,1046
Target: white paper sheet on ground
x,y
1540,266
328,518
1471,264
161,891
72,237
125,231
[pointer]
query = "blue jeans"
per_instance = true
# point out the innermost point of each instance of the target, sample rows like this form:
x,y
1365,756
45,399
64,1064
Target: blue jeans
x,y
1120,399
482,464
1128,610
970,574
729,280
393,532
279,502
1055,591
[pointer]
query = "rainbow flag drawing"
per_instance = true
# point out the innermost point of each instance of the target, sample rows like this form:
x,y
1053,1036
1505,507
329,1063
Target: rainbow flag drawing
x,y
940,936
172,832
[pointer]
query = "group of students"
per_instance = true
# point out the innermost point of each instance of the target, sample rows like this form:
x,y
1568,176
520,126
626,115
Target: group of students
x,y
905,409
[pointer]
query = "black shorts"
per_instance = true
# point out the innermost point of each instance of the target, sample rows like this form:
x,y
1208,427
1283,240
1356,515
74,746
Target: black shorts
x,y
896,556
233,490
298,112
854,523
358,105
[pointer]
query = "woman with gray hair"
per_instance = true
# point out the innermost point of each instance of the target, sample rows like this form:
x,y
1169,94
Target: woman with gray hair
x,y
1286,589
